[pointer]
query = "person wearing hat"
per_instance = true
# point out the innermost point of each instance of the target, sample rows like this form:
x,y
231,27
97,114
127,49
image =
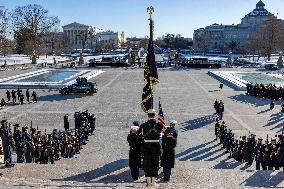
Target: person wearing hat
x,y
66,123
169,142
135,151
28,144
6,143
19,144
150,131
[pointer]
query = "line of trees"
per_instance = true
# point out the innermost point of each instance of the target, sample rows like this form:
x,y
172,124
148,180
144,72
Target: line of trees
x,y
32,30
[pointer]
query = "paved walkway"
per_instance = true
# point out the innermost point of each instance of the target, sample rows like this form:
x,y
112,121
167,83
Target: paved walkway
x,y
187,96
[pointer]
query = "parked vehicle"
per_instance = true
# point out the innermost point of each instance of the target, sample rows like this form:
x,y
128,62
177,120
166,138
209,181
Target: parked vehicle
x,y
79,88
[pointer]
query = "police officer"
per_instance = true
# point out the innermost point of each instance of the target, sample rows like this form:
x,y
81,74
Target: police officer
x,y
134,151
169,142
19,144
151,131
6,143
66,123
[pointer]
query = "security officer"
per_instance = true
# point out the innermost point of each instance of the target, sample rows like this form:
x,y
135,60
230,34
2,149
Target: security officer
x,y
19,144
151,131
169,142
6,143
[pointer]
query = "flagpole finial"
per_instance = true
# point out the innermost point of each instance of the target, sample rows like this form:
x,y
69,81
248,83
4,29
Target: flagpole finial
x,y
150,10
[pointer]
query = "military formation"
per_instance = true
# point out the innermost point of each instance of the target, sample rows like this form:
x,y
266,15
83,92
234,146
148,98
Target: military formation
x,y
268,155
269,91
34,146
17,95
152,145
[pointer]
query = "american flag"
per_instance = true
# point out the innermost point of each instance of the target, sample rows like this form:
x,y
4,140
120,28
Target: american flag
x,y
161,117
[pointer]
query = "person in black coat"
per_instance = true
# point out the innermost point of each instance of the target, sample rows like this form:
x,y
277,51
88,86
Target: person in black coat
x,y
169,142
134,152
66,123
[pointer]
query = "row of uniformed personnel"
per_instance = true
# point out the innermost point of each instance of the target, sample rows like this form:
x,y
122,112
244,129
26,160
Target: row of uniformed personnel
x,y
34,146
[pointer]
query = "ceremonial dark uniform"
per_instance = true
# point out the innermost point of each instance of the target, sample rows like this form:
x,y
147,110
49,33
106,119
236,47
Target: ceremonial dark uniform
x,y
8,95
66,123
28,95
5,135
169,142
151,147
134,155
28,153
19,146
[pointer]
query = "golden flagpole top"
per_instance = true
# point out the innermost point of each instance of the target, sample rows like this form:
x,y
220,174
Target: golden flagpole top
x,y
150,10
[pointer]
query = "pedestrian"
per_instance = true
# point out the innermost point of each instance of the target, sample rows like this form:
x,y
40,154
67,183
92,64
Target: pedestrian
x,y
169,142
151,149
34,96
2,103
134,152
216,106
8,94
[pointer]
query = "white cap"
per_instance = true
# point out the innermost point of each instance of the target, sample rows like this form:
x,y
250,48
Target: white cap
x,y
173,122
151,111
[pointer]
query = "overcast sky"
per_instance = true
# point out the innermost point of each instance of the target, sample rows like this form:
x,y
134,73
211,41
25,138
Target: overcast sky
x,y
171,16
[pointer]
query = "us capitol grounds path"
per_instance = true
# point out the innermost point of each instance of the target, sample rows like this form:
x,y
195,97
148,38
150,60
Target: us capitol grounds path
x,y
187,96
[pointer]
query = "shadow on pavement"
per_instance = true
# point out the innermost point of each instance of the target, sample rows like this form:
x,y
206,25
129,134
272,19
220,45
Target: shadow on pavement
x,y
264,179
250,100
103,172
198,123
59,97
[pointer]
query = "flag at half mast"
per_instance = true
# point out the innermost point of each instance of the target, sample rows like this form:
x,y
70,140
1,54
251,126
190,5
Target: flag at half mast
x,y
150,71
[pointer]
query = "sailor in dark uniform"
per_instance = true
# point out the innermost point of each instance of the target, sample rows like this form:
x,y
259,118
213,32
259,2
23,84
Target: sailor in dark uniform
x,y
6,143
151,148
169,142
19,144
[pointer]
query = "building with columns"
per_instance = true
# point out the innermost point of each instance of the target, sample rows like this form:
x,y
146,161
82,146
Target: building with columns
x,y
222,35
78,35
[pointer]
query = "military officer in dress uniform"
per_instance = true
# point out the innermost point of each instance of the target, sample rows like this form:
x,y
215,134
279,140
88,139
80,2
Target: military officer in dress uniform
x,y
6,143
19,144
169,142
151,148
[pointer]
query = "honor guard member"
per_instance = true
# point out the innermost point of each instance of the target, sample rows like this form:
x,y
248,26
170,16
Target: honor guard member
x,y
134,152
151,149
6,143
29,147
19,144
66,123
169,142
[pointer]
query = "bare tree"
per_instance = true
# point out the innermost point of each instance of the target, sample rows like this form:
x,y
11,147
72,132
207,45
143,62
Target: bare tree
x,y
35,19
271,36
203,42
4,41
253,46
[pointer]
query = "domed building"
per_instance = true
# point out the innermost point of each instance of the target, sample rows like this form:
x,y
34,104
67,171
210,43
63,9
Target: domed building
x,y
222,35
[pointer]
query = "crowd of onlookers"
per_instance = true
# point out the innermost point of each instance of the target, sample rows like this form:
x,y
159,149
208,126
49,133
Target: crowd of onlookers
x,y
269,91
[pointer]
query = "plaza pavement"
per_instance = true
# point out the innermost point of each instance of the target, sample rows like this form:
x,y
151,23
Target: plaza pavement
x,y
186,95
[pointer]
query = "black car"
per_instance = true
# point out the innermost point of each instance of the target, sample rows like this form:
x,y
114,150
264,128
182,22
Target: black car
x,y
82,87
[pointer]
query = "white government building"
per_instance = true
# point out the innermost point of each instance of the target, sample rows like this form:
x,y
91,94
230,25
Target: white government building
x,y
75,33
